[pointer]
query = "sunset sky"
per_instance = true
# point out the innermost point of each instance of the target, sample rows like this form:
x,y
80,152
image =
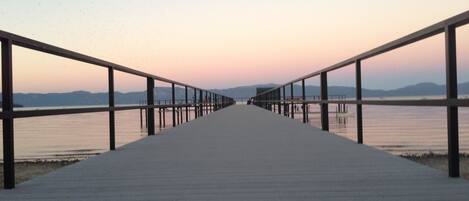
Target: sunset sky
x,y
219,44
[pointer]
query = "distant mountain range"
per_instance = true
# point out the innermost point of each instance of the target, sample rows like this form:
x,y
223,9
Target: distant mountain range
x,y
164,93
420,89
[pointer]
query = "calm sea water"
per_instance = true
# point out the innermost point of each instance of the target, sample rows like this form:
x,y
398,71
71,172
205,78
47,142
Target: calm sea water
x,y
77,135
399,130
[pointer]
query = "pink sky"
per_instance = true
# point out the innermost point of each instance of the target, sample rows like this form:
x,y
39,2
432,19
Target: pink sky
x,y
218,44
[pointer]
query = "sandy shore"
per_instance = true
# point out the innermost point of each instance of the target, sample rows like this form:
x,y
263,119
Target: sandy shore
x,y
29,169
440,161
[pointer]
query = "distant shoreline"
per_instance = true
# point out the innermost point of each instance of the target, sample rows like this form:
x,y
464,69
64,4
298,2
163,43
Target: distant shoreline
x,y
83,98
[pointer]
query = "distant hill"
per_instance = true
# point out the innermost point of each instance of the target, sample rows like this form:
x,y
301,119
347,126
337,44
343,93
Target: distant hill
x,y
420,89
14,104
89,98
164,93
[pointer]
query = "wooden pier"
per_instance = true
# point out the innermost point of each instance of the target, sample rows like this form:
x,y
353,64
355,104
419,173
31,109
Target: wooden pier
x,y
243,153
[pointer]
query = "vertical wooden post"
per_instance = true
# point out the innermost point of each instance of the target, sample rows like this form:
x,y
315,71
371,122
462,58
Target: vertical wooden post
x,y
303,96
195,104
358,94
159,116
7,107
285,105
141,118
112,122
164,117
292,102
173,102
279,103
452,93
209,99
186,102
177,116
205,103
215,102
151,103
324,106
201,104
181,115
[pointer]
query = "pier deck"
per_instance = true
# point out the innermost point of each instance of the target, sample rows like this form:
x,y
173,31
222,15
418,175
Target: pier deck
x,y
243,153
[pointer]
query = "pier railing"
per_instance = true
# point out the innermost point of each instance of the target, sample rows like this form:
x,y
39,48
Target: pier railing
x,y
203,101
276,97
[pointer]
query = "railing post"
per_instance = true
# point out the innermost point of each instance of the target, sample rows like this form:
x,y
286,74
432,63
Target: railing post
x,y
205,103
272,101
223,102
7,107
358,91
215,102
292,102
195,104
181,111
201,99
159,116
279,103
151,103
268,98
112,121
285,105
271,98
210,102
324,106
177,115
164,117
452,93
304,99
186,101
173,102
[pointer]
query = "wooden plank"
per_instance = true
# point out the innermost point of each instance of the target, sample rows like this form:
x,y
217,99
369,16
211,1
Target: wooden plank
x,y
243,153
